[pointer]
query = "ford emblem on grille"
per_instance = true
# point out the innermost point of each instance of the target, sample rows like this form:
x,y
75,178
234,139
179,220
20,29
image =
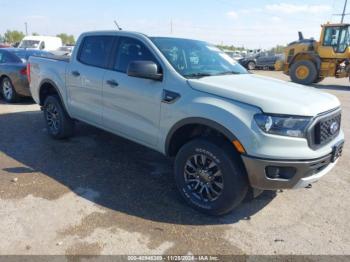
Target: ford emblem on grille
x,y
334,127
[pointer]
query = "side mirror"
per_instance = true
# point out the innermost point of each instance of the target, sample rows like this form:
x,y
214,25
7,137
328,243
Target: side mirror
x,y
144,69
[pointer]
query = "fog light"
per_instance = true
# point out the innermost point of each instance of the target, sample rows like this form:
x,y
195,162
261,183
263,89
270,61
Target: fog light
x,y
277,172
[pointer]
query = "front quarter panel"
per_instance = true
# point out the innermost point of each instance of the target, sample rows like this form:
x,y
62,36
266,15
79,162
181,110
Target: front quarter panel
x,y
238,119
234,116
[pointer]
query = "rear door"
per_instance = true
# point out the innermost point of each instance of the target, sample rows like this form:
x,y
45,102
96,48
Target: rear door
x,y
132,105
85,77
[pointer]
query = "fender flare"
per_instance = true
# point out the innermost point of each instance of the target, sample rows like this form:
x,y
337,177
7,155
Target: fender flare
x,y
197,121
52,83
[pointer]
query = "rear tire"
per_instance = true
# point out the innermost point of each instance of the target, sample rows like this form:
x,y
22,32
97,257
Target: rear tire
x,y
303,72
58,122
210,176
8,91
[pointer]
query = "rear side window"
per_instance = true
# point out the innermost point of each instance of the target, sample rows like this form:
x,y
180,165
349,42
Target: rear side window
x,y
95,50
130,50
8,58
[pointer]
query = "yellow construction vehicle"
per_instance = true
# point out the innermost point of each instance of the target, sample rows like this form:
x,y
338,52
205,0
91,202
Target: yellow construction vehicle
x,y
308,61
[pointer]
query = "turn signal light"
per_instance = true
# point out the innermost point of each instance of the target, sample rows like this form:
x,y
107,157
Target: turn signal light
x,y
239,147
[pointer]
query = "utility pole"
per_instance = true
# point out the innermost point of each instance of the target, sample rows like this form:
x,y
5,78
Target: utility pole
x,y
344,10
26,27
171,26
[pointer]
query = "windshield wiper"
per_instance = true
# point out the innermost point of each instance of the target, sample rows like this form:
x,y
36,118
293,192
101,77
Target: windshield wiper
x,y
227,73
197,75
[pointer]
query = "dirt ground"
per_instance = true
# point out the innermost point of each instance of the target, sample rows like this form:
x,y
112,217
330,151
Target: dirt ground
x,y
97,193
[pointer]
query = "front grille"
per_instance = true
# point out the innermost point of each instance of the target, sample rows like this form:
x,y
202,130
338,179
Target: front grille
x,y
323,130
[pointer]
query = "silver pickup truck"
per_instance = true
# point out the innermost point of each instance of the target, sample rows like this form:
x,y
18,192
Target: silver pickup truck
x,y
229,130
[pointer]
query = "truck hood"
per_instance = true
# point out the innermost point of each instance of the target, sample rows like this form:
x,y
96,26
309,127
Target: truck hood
x,y
269,94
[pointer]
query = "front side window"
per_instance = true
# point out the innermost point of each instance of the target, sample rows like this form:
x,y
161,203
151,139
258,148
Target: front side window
x,y
192,58
95,50
331,36
130,50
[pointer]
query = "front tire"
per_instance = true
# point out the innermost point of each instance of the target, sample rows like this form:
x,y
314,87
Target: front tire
x,y
8,91
210,176
58,122
303,72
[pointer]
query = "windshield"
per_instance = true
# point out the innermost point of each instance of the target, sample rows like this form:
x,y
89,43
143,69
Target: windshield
x,y
29,44
192,58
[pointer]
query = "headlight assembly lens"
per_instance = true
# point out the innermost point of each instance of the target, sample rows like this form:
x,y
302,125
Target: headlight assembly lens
x,y
283,125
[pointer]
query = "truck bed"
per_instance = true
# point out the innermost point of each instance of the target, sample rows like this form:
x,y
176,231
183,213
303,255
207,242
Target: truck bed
x,y
57,57
42,68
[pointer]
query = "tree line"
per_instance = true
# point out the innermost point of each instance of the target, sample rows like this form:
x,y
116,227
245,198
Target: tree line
x,y
14,36
278,49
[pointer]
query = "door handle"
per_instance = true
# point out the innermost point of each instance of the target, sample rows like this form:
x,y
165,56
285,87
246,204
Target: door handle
x,y
75,73
112,83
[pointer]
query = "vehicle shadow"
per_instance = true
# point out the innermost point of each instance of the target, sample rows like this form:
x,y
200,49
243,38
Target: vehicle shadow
x,y
123,176
333,87
22,101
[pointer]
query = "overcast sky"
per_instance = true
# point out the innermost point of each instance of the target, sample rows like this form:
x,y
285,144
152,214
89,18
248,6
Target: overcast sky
x,y
249,23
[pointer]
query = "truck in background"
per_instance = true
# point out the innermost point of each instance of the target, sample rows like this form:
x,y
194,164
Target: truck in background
x,y
46,43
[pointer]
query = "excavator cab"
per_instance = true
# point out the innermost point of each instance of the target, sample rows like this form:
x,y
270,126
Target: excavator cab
x,y
335,41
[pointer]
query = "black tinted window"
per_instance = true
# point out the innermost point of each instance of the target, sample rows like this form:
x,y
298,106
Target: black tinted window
x,y
131,50
95,50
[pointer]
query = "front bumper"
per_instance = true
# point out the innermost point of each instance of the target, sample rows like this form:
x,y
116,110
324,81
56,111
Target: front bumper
x,y
305,172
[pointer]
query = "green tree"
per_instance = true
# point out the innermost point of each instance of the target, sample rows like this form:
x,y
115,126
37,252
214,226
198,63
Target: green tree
x,y
2,39
13,36
67,39
35,34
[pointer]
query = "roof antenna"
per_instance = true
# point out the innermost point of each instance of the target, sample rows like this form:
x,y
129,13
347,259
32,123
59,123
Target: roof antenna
x,y
119,28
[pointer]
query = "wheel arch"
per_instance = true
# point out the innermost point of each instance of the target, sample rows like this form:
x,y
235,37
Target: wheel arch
x,y
2,77
189,126
48,87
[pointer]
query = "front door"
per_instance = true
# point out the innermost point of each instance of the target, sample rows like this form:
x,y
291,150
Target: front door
x,y
132,105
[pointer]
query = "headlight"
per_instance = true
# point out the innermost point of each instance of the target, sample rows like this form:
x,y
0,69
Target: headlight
x,y
294,126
